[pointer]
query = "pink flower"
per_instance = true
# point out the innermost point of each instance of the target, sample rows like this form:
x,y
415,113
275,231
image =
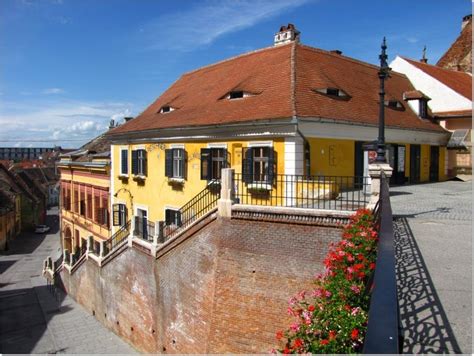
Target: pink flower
x,y
355,311
355,289
295,327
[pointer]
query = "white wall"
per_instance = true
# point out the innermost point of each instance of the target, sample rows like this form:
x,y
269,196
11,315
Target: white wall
x,y
442,97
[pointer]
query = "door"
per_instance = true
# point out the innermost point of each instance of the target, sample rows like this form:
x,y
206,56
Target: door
x,y
358,163
434,164
396,158
415,158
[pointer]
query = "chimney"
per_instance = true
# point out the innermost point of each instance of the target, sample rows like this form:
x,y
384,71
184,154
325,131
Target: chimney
x,y
128,118
286,35
465,21
424,59
111,124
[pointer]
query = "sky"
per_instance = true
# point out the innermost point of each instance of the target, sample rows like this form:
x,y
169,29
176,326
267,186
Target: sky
x,y
68,67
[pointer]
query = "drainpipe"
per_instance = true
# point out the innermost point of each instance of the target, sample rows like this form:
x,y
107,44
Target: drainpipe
x,y
307,163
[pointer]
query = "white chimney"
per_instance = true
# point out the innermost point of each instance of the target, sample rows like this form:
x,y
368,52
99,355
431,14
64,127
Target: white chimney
x,y
287,34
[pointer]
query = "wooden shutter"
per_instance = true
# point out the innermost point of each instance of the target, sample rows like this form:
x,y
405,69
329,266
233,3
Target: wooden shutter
x,y
144,163
124,159
271,165
206,163
116,215
135,162
247,165
169,163
183,162
178,218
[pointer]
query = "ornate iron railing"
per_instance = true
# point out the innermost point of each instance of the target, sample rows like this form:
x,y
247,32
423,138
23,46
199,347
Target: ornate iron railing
x,y
201,204
117,238
383,330
300,191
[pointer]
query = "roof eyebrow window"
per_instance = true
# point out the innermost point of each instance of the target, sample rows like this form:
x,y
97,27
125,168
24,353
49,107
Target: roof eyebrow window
x,y
394,104
333,93
165,109
237,94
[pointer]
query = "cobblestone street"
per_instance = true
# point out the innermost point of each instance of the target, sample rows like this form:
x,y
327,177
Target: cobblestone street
x,y
32,318
433,238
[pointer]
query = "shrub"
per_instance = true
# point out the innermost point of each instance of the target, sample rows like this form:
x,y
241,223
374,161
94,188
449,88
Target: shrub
x,y
332,318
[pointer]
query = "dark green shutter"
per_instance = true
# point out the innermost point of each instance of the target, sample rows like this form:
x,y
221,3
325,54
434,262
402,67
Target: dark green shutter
x,y
178,218
184,163
169,163
271,165
134,162
247,165
206,163
168,217
124,162
145,163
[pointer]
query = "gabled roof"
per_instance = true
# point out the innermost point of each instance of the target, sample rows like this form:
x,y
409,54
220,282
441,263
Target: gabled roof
x,y
282,82
460,52
15,183
95,148
460,82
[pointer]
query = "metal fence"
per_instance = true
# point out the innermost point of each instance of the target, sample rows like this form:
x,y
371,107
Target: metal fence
x,y
383,329
197,207
117,238
300,191
144,229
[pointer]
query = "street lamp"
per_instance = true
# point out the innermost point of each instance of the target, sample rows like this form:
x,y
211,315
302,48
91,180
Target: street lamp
x,y
383,73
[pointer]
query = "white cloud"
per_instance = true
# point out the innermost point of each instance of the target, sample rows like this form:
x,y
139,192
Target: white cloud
x,y
53,91
204,24
65,123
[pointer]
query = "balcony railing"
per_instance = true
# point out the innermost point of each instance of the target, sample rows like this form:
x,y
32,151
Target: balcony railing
x,y
383,330
117,238
299,191
144,229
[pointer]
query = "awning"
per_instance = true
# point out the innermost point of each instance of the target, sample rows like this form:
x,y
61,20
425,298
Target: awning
x,y
458,140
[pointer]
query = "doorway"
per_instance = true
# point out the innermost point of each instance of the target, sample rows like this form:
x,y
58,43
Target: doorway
x,y
415,159
396,159
434,163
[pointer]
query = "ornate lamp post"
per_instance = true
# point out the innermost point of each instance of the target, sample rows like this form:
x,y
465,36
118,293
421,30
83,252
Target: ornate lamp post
x,y
383,73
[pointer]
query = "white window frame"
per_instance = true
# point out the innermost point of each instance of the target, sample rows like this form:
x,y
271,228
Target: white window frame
x,y
124,148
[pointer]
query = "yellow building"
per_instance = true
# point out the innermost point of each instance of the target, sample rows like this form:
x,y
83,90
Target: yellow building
x,y
84,203
282,117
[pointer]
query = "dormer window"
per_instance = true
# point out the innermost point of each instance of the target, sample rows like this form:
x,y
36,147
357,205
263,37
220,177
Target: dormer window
x,y
333,92
237,94
423,108
166,108
394,104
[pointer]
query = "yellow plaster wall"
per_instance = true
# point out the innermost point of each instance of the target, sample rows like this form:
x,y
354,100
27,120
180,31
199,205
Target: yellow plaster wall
x,y
407,160
156,192
425,163
442,162
331,157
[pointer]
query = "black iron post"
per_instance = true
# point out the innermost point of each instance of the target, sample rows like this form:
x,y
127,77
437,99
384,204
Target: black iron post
x,y
383,73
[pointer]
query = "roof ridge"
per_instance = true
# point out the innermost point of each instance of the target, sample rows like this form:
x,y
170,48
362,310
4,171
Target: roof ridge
x,y
235,57
434,66
350,59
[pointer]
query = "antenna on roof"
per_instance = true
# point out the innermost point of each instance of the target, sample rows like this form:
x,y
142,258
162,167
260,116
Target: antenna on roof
x,y
424,59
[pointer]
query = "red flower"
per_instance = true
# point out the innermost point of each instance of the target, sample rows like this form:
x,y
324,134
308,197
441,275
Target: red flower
x,y
372,265
311,308
298,343
286,350
279,335
324,342
332,335
354,334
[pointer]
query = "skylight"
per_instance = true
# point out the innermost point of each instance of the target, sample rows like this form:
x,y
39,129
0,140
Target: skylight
x,y
237,94
166,108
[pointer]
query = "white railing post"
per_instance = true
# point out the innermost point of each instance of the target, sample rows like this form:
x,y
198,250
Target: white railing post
x,y
375,172
224,204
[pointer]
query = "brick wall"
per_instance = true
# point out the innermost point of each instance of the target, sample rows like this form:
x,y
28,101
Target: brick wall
x,y
224,289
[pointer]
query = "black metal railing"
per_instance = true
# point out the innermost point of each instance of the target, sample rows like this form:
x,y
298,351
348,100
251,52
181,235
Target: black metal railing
x,y
117,238
58,263
383,330
144,229
314,192
201,204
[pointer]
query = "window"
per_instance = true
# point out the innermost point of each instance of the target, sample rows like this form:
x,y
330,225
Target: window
x,y
141,224
236,94
119,214
394,104
167,108
89,203
82,202
173,217
259,165
212,162
139,162
423,108
124,162
333,92
175,163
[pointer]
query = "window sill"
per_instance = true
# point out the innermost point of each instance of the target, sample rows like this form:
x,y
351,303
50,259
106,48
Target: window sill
x,y
139,177
176,180
123,176
259,186
213,183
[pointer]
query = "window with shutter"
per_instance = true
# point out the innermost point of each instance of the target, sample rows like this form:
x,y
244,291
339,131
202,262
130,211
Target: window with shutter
x,y
169,163
124,162
173,217
206,163
135,162
175,163
247,165
116,215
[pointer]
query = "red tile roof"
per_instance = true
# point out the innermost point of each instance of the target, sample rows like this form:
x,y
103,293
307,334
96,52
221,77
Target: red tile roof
x,y
457,113
283,79
460,82
414,94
